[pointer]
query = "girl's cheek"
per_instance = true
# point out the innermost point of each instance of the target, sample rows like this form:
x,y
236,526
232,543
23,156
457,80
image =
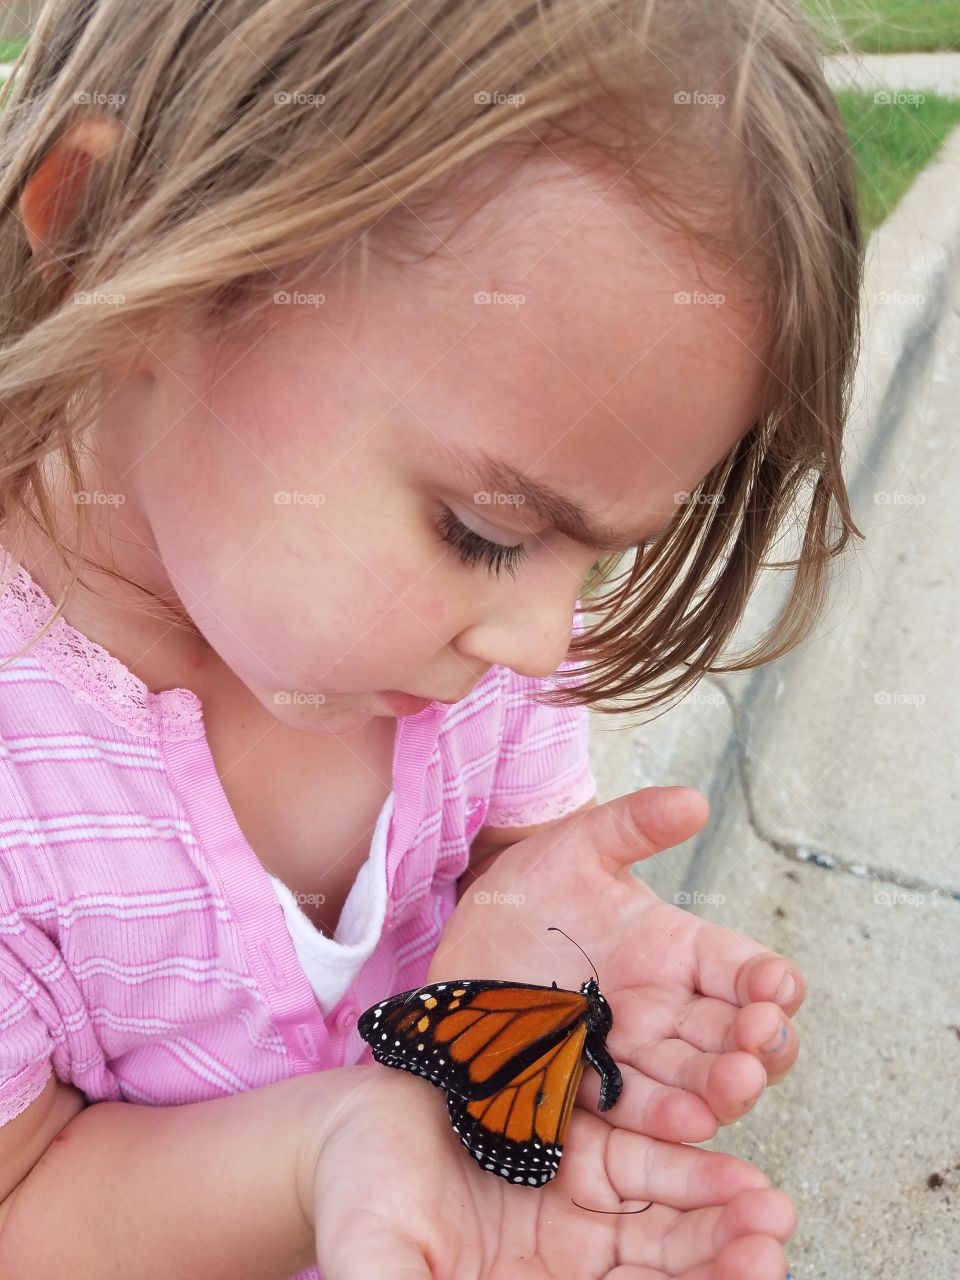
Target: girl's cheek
x,y
434,607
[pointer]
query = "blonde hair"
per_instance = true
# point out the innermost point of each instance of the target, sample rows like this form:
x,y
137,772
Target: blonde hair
x,y
262,135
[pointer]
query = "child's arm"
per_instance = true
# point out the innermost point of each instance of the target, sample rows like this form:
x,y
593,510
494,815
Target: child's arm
x,y
354,1166
207,1189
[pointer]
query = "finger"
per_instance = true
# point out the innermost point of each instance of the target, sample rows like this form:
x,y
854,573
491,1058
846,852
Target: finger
x,y
741,971
709,1235
768,976
680,1243
768,1212
750,1258
374,1252
758,1259
761,1029
640,824
669,1173
728,1082
648,1107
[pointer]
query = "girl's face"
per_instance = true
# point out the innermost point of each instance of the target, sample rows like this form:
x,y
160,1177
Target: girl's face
x,y
296,495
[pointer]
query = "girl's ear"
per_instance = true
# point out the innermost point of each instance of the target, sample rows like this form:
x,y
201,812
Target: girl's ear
x,y
48,199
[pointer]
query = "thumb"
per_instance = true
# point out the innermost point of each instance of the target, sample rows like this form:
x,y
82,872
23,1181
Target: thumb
x,y
378,1252
640,824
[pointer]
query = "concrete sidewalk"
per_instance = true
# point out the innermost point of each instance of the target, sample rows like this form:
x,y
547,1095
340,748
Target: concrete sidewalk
x,y
939,72
834,785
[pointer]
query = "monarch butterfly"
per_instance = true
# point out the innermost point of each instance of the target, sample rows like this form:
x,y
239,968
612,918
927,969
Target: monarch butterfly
x,y
509,1056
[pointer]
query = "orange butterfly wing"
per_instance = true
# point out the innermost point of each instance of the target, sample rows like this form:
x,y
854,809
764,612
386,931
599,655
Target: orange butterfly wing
x,y
508,1055
519,1131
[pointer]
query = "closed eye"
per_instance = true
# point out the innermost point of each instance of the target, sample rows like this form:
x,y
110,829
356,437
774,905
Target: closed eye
x,y
474,549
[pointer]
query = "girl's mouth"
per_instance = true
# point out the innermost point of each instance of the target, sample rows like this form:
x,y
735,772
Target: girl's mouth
x,y
404,704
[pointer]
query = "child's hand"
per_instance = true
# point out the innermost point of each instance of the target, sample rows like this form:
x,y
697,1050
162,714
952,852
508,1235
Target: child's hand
x,y
695,1006
395,1196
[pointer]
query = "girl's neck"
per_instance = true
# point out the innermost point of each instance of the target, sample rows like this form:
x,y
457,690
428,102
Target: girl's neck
x,y
146,636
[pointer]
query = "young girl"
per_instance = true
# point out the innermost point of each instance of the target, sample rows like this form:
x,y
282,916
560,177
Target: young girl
x,y
346,348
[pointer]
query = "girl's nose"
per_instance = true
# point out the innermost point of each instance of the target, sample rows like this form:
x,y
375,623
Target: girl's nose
x,y
528,632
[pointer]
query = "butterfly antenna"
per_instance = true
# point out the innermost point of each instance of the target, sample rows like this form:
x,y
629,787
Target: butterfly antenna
x,y
579,948
589,1210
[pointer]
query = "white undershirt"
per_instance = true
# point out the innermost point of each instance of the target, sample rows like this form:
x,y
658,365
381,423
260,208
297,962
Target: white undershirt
x,y
331,964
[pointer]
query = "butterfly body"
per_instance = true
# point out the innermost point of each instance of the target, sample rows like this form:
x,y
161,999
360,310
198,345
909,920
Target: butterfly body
x,y
509,1057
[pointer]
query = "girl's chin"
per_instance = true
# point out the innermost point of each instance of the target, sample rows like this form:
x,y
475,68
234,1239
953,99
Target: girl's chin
x,y
327,719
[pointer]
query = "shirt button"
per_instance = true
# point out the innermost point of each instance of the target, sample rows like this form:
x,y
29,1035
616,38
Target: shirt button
x,y
346,1018
307,1039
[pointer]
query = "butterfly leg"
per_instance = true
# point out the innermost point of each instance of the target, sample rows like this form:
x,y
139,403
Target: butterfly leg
x,y
611,1081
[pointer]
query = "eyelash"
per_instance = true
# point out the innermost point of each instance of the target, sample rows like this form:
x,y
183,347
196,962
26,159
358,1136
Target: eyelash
x,y
473,549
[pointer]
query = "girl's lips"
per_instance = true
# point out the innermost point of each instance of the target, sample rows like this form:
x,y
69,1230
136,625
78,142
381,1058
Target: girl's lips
x,y
404,704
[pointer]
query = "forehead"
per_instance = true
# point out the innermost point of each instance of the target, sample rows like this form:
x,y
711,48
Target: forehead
x,y
572,333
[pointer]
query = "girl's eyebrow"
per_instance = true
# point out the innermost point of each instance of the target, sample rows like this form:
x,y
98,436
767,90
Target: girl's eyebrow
x,y
495,476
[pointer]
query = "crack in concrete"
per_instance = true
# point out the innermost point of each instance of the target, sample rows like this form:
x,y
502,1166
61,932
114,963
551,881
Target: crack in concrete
x,y
910,367
801,852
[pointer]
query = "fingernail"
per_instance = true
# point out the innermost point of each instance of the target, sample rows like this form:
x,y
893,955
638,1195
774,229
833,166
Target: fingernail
x,y
786,990
778,1041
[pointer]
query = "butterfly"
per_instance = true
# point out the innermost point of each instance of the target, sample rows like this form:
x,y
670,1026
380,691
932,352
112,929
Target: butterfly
x,y
509,1056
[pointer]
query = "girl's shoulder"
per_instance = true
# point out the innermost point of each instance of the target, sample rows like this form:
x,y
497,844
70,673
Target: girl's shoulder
x,y
84,776
60,677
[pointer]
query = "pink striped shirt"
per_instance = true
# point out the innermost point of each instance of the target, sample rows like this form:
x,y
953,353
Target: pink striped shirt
x,y
144,954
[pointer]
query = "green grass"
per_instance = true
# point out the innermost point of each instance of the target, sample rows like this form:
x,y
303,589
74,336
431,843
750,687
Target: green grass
x,y
888,26
892,142
10,50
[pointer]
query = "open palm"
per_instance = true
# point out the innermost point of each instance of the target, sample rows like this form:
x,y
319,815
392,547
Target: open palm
x,y
695,1006
396,1197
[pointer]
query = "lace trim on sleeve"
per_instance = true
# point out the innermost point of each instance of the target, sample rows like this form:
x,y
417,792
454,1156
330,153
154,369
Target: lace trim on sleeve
x,y
93,674
531,813
25,1087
